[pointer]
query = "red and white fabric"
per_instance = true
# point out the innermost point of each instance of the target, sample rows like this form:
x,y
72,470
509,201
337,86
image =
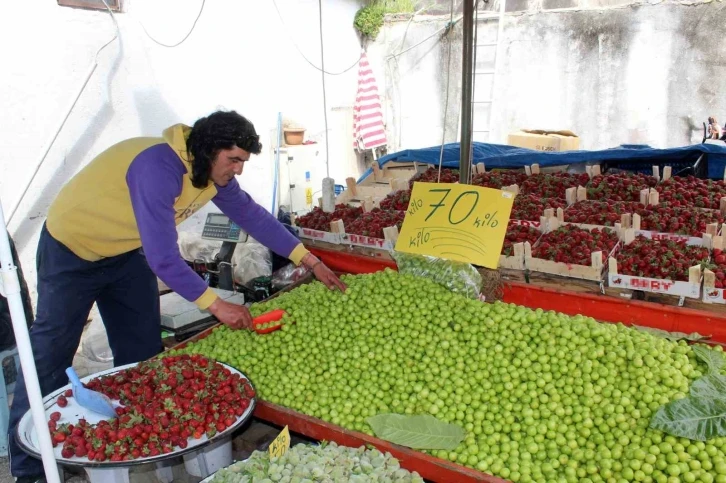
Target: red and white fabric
x,y
368,129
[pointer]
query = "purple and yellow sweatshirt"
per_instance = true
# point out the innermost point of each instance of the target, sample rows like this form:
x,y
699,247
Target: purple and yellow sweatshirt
x,y
136,192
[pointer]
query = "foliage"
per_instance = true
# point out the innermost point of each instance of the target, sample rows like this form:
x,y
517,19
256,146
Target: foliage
x,y
369,19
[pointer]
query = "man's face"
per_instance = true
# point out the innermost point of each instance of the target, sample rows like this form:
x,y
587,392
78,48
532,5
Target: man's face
x,y
229,162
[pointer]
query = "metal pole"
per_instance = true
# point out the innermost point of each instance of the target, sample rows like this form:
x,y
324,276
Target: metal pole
x,y
466,91
11,287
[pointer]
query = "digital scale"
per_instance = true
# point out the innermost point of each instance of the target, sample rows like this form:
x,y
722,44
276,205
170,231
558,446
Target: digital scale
x,y
220,228
182,317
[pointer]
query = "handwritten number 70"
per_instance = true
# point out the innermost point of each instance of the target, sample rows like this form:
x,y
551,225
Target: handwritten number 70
x,y
446,191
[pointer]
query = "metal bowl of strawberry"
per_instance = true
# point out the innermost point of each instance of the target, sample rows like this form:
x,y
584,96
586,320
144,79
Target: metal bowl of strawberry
x,y
166,407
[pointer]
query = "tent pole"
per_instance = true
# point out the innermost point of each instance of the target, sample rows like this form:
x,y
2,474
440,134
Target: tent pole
x,y
466,91
11,287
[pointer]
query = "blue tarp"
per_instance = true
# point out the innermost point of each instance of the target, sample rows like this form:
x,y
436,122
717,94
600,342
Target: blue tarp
x,y
501,156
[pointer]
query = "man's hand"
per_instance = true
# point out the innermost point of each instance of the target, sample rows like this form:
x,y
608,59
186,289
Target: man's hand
x,y
232,315
323,273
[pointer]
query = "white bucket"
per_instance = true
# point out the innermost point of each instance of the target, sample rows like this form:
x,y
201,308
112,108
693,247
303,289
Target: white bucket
x,y
217,456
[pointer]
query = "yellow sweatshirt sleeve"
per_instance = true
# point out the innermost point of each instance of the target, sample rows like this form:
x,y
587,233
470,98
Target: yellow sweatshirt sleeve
x,y
206,299
297,254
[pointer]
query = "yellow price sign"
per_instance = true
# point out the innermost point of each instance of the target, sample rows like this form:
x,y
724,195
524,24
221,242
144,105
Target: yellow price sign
x,y
456,221
281,444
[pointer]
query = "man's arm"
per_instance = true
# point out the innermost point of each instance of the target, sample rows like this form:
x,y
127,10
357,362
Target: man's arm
x,y
258,222
266,229
155,180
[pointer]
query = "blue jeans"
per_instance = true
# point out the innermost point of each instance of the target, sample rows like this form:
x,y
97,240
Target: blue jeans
x,y
127,294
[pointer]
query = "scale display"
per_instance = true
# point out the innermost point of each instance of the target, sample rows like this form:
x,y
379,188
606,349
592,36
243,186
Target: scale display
x,y
220,228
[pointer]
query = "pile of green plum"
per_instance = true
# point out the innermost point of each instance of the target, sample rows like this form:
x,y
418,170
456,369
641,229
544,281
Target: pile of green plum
x,y
543,397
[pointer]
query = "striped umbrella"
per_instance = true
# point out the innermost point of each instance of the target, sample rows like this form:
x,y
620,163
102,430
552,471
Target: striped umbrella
x,y
368,129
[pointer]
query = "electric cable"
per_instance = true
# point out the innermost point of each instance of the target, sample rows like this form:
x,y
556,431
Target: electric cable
x,y
325,105
201,9
446,99
282,21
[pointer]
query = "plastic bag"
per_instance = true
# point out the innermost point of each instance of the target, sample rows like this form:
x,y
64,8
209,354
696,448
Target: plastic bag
x,y
287,275
250,259
94,342
460,278
7,334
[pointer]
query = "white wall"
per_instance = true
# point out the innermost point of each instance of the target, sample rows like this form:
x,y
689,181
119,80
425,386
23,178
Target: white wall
x,y
239,56
638,73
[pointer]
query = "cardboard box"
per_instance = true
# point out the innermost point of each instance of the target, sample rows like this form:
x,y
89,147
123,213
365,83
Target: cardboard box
x,y
540,140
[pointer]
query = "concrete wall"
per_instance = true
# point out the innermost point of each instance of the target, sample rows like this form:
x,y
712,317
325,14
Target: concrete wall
x,y
239,56
614,74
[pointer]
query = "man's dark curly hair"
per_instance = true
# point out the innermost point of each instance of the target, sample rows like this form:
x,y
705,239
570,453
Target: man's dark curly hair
x,y
220,130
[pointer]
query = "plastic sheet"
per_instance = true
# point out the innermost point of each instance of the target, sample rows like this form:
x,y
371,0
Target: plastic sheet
x,y
460,278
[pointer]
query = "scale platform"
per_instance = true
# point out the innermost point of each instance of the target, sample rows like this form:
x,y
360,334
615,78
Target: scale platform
x,y
179,315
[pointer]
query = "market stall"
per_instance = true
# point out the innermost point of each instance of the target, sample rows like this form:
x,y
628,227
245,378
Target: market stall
x,y
299,405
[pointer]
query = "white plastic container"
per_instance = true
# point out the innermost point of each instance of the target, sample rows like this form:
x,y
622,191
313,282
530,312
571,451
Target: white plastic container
x,y
215,456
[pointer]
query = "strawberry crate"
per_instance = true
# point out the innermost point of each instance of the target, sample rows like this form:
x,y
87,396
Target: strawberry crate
x,y
714,276
689,222
551,185
634,221
317,235
517,241
528,209
369,195
621,186
388,242
581,245
663,266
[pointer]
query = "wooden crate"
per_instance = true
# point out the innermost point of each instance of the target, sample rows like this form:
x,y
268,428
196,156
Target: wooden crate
x,y
711,294
593,272
678,288
515,261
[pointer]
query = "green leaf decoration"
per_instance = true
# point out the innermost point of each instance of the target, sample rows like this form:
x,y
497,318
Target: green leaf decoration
x,y
694,418
713,359
674,336
417,431
711,386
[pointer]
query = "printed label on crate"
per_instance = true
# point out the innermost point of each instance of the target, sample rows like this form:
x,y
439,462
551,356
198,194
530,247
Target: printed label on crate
x,y
690,240
685,289
714,295
533,224
319,235
281,444
367,241
458,222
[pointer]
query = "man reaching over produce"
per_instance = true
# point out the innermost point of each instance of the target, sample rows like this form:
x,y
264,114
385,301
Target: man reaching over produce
x,y
112,231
